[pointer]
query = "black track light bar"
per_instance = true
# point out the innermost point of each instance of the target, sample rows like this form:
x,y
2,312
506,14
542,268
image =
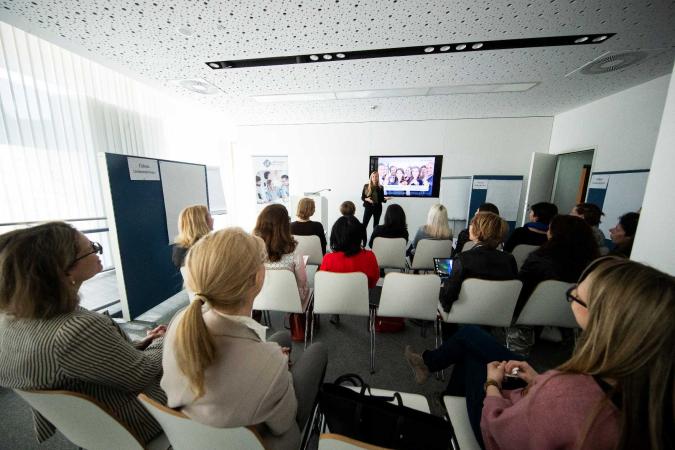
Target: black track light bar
x,y
457,47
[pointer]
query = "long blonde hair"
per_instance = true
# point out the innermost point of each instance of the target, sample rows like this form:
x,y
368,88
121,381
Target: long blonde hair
x,y
371,185
437,222
630,339
221,270
192,225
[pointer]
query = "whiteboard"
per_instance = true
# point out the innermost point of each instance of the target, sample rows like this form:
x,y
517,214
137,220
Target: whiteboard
x,y
216,194
454,195
505,195
625,192
183,185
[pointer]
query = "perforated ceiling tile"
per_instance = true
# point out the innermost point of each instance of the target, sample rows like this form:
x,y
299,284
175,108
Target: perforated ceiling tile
x,y
162,41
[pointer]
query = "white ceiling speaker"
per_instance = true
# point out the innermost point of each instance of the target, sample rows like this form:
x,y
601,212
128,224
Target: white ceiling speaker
x,y
613,62
197,85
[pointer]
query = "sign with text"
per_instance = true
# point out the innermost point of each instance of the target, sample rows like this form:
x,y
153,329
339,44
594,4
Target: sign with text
x,y
143,169
480,184
599,182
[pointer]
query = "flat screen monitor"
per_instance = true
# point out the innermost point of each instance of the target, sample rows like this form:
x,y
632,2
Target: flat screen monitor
x,y
408,176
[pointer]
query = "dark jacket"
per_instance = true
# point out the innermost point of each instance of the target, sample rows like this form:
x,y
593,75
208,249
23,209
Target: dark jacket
x,y
384,231
622,250
310,228
377,197
178,254
479,262
524,235
462,238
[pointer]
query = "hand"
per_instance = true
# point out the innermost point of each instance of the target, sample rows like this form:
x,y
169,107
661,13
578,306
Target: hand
x,y
388,198
495,371
525,371
369,200
287,351
156,332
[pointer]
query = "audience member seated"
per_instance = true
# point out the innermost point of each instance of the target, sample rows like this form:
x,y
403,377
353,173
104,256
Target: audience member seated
x,y
436,228
571,246
592,215
395,225
305,227
348,208
533,232
615,391
273,228
49,342
193,223
623,233
463,236
484,261
218,369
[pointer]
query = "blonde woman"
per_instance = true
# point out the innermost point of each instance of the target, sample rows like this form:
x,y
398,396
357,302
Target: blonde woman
x,y
372,195
193,222
305,227
436,228
616,392
218,368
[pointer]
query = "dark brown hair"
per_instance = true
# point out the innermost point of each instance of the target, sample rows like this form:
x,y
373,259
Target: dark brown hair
x,y
274,228
347,208
34,263
590,212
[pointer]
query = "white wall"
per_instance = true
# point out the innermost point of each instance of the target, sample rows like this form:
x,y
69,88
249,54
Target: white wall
x,y
655,240
336,156
621,127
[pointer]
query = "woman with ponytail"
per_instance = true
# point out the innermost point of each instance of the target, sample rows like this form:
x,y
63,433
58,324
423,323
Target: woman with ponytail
x,y
218,368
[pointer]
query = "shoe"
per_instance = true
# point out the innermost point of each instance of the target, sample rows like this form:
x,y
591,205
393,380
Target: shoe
x,y
420,370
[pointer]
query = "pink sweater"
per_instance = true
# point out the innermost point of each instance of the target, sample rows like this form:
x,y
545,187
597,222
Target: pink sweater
x,y
551,415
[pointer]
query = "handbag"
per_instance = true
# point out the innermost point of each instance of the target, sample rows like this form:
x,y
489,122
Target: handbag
x,y
372,419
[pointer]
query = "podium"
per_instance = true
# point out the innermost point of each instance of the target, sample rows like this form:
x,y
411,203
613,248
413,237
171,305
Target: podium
x,y
320,211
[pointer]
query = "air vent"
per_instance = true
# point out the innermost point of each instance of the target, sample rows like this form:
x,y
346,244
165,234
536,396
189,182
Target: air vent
x,y
613,62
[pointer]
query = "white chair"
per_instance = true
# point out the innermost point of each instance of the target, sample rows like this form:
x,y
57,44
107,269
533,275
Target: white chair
x,y
280,293
484,302
427,250
390,253
85,423
521,252
410,296
459,417
310,246
547,306
344,293
331,441
468,246
186,434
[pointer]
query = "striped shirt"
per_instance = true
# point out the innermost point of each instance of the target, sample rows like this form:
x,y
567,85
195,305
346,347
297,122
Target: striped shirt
x,y
84,352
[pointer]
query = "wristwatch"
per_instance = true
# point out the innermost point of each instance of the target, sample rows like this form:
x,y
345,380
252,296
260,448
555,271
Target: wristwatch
x,y
491,382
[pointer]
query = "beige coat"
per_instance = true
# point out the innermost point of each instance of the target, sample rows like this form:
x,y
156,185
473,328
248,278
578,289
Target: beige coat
x,y
248,384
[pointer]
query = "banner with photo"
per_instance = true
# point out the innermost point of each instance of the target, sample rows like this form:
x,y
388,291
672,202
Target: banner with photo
x,y
271,180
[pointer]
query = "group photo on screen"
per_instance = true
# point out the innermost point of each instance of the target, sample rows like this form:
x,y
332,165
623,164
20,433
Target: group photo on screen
x,y
408,176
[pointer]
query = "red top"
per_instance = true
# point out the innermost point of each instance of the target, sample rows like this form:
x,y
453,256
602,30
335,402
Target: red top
x,y
364,261
553,414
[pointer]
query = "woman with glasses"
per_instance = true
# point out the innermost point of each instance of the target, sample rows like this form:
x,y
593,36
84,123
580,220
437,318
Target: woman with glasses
x,y
616,391
48,342
193,222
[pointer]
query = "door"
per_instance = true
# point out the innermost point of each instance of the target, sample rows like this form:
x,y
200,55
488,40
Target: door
x,y
540,180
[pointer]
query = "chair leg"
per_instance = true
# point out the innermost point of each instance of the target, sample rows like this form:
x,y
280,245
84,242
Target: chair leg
x,y
311,335
306,326
439,341
371,324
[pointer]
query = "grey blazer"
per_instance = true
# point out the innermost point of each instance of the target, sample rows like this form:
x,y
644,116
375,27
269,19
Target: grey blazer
x,y
247,384
85,352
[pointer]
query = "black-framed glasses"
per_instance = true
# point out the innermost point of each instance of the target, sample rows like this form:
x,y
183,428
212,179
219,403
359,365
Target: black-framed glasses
x,y
95,248
573,298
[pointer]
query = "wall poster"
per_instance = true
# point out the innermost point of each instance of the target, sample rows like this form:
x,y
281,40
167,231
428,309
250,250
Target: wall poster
x,y
271,180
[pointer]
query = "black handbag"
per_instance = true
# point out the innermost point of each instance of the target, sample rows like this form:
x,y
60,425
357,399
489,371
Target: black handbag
x,y
373,420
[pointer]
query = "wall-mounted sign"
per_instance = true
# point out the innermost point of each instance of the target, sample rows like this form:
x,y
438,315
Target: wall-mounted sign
x,y
143,169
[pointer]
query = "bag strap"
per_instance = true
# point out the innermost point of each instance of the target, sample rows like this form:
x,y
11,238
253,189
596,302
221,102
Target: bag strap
x,y
350,378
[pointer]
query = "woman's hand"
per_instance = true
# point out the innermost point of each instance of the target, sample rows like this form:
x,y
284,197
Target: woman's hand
x,y
495,371
156,332
525,371
369,200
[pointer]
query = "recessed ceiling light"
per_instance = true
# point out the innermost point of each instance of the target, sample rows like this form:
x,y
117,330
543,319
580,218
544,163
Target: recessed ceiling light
x,y
428,49
580,40
327,57
214,65
186,31
460,47
340,55
314,57
599,38
197,85
445,48
477,46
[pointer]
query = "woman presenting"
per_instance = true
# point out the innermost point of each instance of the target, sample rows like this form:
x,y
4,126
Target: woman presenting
x,y
373,197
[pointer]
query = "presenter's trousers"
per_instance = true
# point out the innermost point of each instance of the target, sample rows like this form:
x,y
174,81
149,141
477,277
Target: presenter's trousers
x,y
375,212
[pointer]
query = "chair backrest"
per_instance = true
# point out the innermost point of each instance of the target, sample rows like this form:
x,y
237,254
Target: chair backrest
x,y
186,434
547,306
468,245
310,246
341,293
331,441
486,302
279,292
521,252
410,296
191,294
81,419
390,252
427,250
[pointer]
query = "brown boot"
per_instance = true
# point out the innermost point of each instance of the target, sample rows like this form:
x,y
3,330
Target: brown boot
x,y
420,370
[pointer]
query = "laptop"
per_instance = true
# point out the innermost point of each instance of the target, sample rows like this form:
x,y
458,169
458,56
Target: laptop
x,y
443,267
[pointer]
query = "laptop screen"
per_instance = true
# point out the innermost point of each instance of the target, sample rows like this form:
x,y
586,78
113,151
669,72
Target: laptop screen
x,y
443,267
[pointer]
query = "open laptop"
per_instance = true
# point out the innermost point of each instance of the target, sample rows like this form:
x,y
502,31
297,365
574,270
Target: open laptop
x,y
443,267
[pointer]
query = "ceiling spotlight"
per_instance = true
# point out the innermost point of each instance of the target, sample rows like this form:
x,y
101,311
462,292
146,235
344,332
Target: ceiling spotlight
x,y
599,38
580,40
445,48
428,49
186,31
197,85
214,65
460,47
327,57
340,55
313,57
477,46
